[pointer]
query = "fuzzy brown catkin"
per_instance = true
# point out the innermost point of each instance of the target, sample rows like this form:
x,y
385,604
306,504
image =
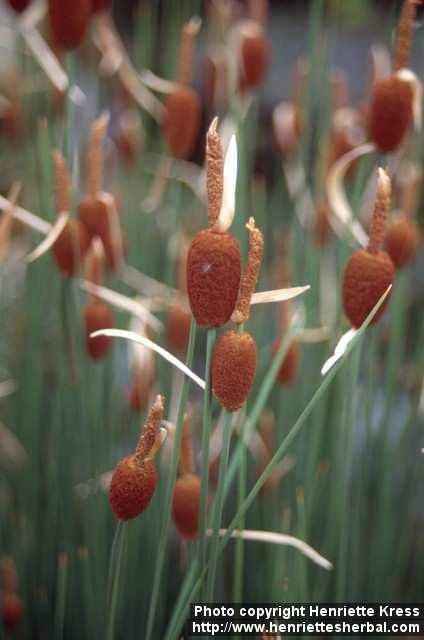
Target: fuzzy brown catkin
x,y
151,428
404,35
381,209
214,173
250,275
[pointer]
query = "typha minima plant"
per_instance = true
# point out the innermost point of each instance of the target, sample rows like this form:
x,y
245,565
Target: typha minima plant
x,y
134,478
395,100
369,272
97,210
97,314
338,466
69,22
186,499
183,112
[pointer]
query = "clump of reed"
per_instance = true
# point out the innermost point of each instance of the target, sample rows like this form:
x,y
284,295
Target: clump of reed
x,y
146,250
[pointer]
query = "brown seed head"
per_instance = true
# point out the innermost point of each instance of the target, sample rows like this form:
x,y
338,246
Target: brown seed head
x,y
132,487
290,365
213,277
185,506
404,35
233,368
390,112
19,5
181,125
254,56
178,327
69,20
214,172
97,315
250,274
150,430
366,277
11,610
381,211
70,247
8,575
100,218
402,241
100,5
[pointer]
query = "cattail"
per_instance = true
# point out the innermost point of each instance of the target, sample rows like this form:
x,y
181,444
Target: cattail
x,y
178,327
97,211
233,368
100,5
71,246
213,277
11,609
183,110
182,121
134,478
19,5
254,52
250,274
369,273
391,109
128,136
186,499
289,367
97,314
69,20
402,241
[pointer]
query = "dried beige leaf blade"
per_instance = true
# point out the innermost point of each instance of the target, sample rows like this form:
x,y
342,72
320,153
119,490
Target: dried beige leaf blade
x,y
314,335
272,537
228,208
124,303
7,387
6,221
417,95
26,217
339,204
45,58
50,239
12,453
278,295
155,83
128,335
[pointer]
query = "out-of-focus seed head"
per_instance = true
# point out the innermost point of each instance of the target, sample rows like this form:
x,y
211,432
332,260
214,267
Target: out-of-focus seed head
x,y
100,5
402,241
12,609
250,275
215,81
254,55
8,575
147,440
70,247
390,112
213,277
185,506
287,126
178,327
290,366
132,487
100,218
404,35
69,21
97,315
129,136
233,368
19,5
181,125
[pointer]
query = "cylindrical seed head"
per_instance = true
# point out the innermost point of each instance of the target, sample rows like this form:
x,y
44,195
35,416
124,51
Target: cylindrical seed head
x,y
132,487
402,241
186,506
233,369
69,20
381,211
150,430
181,125
214,172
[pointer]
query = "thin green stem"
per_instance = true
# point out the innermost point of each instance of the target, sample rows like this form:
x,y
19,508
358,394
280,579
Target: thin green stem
x,y
219,503
206,433
115,571
172,474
